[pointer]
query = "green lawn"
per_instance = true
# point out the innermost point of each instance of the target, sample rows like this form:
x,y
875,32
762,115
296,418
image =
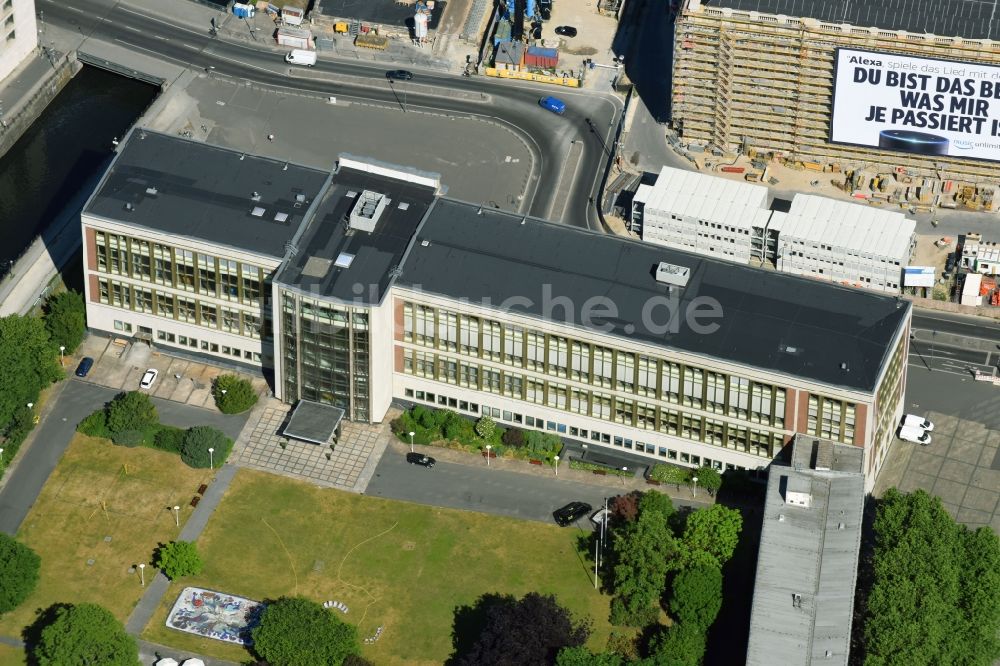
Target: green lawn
x,y
11,656
99,490
399,565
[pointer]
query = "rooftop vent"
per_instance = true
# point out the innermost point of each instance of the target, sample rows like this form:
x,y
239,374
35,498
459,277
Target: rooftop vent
x,y
672,274
151,191
344,260
796,600
367,211
281,217
257,211
781,517
255,196
403,205
300,200
351,194
129,206
798,491
243,156
425,243
840,526
844,367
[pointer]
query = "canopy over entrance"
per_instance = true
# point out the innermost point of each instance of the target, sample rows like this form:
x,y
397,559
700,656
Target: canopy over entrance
x,y
314,422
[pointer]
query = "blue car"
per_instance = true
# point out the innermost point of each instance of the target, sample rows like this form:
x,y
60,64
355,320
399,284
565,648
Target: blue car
x,y
84,367
553,104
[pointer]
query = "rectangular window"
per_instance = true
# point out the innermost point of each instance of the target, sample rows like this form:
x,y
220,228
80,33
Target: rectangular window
x,y
536,392
557,396
408,322
165,305
513,346
513,385
579,402
251,284
230,321
580,361
739,397
447,330
470,335
185,310
645,416
425,364
185,269
536,351
491,381
491,340
558,356
713,432
209,316
691,427
469,376
694,386
624,411
602,366
207,275
669,422
625,371
670,382
646,384
448,371
715,392
601,405
143,299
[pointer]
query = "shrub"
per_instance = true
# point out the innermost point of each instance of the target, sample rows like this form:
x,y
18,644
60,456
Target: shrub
x,y
542,443
622,616
708,478
18,572
485,427
594,467
131,411
514,438
169,439
95,425
129,438
233,394
669,474
177,559
83,634
66,319
197,441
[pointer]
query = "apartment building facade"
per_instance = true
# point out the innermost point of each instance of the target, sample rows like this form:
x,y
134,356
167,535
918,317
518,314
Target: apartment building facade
x,y
380,289
18,34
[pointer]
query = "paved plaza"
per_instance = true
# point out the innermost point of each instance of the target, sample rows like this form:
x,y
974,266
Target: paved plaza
x,y
961,466
348,465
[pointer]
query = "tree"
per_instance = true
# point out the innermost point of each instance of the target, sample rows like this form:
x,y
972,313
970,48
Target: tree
x,y
656,502
66,319
581,656
294,631
84,634
177,559
935,586
131,411
696,597
710,536
642,551
18,572
486,427
528,631
679,645
709,479
198,440
625,508
514,438
233,394
28,363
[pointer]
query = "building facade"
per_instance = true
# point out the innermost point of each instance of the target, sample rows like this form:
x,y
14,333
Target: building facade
x,y
376,288
816,236
746,79
18,34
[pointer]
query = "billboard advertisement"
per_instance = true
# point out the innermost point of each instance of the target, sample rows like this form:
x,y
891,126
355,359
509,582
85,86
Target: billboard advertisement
x,y
916,105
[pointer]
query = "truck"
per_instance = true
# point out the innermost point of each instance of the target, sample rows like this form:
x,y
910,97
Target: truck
x,y
301,57
915,435
914,421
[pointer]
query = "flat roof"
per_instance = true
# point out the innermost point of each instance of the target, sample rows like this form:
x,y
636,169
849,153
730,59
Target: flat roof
x,y
803,600
776,322
334,261
205,193
389,12
313,422
972,19
706,197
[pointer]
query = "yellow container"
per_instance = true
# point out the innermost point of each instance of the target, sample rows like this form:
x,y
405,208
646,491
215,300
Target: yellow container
x,y
340,27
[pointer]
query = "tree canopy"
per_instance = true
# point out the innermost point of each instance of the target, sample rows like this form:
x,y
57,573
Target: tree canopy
x,y
233,394
66,320
581,656
294,631
708,478
529,631
198,440
177,559
83,635
696,597
710,536
642,549
679,645
28,363
18,572
935,587
131,410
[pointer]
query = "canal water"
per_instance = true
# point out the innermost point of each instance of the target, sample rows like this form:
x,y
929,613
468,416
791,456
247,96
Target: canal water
x,y
66,146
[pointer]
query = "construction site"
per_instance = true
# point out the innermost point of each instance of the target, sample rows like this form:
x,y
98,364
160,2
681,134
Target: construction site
x,y
757,89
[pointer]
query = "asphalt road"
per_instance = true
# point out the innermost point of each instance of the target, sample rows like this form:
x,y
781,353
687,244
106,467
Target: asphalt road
x,y
483,489
53,434
513,104
977,327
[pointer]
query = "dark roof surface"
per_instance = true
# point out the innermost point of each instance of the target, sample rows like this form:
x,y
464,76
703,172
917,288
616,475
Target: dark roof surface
x,y
313,422
313,269
972,19
773,321
205,192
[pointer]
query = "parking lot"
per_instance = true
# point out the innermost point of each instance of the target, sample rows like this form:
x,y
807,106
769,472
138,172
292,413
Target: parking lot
x,y
120,365
961,466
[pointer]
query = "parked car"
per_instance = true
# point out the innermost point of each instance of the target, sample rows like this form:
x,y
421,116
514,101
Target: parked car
x,y
148,378
566,31
86,363
914,421
420,459
915,435
553,104
399,75
571,513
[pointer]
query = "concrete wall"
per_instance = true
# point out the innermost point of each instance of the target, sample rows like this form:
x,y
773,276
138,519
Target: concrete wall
x,y
19,118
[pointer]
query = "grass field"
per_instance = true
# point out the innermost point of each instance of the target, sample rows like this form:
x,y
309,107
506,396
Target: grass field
x,y
91,496
398,565
11,656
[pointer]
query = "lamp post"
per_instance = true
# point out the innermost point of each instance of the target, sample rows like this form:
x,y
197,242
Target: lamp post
x,y
556,458
211,458
624,469
1,457
177,515
30,405
488,448
694,486
62,350
411,434
142,575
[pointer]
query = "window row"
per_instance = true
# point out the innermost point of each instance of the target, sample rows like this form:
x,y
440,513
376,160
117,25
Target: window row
x,y
593,364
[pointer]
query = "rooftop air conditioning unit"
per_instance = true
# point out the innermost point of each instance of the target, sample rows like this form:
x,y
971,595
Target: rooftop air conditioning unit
x,y
672,274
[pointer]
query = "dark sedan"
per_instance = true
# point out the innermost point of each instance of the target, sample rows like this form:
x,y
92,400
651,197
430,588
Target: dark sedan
x,y
420,459
399,75
571,513
566,31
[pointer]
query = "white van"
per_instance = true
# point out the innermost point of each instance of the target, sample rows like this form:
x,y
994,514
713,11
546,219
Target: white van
x,y
914,421
915,435
301,57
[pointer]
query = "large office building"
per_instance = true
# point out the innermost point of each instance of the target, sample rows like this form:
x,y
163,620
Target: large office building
x,y
366,285
18,34
803,601
816,236
762,75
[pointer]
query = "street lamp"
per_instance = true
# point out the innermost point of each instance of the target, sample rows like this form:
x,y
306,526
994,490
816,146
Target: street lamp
x,y
488,447
411,434
177,515
1,456
694,486
30,405
142,574
211,458
624,469
556,458
62,350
